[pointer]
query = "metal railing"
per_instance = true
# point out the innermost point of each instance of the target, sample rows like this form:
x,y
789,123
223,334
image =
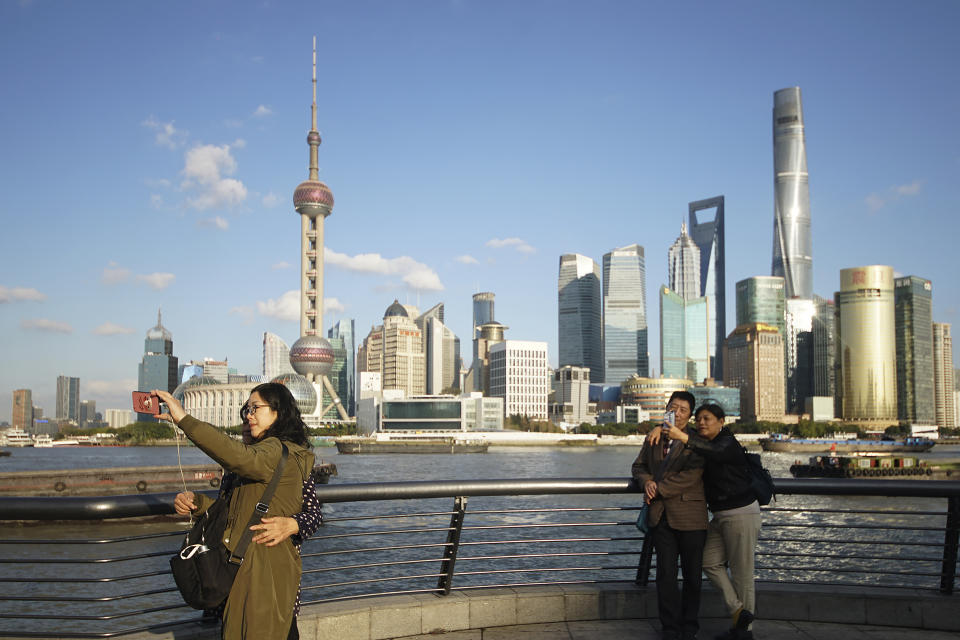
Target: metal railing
x,y
434,537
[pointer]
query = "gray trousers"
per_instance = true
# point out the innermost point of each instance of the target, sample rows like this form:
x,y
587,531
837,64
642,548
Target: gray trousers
x,y
728,559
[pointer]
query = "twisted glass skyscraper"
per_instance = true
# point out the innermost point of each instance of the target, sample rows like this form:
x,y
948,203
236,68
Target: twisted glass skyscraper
x,y
792,251
625,314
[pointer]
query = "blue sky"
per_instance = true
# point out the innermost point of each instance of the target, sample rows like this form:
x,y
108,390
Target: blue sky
x,y
149,153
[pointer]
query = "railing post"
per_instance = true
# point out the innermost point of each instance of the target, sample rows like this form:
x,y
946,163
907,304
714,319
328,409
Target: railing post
x,y
950,539
453,545
646,555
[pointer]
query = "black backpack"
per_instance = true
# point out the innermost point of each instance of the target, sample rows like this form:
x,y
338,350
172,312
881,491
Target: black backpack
x,y
760,479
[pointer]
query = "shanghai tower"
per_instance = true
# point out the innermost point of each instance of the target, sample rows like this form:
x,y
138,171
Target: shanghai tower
x,y
792,253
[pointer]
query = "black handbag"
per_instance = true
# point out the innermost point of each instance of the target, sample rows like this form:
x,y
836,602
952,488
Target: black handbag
x,y
204,569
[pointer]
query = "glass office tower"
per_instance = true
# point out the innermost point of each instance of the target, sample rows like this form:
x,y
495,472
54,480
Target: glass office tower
x,y
158,368
913,306
708,236
684,337
580,324
345,330
792,248
760,299
625,314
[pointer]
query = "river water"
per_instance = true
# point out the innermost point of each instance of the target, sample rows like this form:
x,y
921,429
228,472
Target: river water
x,y
350,537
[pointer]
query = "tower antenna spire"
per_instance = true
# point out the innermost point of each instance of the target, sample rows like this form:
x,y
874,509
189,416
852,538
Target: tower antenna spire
x,y
314,147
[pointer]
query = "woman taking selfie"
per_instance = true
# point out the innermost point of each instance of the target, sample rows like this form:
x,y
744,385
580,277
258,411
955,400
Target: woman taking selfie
x,y
261,601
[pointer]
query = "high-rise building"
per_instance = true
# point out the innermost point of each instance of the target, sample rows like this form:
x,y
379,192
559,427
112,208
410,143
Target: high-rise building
x,y
338,380
345,330
441,350
395,351
312,355
87,413
23,409
708,235
68,398
276,356
684,337
760,299
571,396
683,265
943,375
158,368
625,347
824,349
482,310
753,361
792,247
116,418
219,370
866,345
651,394
798,322
491,333
580,323
913,309
519,375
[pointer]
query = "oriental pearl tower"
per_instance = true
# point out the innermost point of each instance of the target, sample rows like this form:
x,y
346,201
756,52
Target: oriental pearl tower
x,y
312,355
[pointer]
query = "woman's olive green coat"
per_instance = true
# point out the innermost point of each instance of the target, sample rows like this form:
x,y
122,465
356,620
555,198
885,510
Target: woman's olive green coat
x,y
260,604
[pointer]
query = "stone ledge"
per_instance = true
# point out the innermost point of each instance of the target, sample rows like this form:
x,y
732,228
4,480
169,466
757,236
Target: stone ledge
x,y
379,618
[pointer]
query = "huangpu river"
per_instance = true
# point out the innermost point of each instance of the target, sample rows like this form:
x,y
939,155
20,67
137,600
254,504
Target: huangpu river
x,y
346,527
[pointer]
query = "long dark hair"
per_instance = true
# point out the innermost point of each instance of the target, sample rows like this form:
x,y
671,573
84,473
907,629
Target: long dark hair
x,y
288,425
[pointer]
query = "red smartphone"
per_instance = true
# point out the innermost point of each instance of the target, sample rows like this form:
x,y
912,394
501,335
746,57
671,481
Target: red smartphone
x,y
146,402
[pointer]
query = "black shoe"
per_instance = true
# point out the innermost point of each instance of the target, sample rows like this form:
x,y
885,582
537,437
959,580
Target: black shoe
x,y
744,620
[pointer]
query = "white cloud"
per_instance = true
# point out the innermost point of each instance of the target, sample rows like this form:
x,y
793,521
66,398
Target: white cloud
x,y
111,329
244,312
874,202
516,243
239,143
204,170
271,200
157,281
114,274
167,135
467,259
216,222
283,264
415,275
19,294
286,307
233,123
110,393
911,189
156,200
157,183
332,305
262,111
43,324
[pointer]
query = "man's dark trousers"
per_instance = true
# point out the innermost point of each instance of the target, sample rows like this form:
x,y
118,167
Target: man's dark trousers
x,y
678,613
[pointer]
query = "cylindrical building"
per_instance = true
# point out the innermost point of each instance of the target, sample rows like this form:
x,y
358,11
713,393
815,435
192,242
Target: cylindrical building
x,y
866,345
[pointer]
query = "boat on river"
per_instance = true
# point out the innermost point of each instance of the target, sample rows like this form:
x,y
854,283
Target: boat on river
x,y
783,444
124,480
874,466
395,443
16,438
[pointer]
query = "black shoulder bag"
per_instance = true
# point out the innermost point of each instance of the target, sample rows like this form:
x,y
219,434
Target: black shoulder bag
x,y
204,569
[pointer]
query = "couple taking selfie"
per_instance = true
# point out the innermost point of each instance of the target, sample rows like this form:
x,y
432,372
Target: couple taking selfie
x,y
682,471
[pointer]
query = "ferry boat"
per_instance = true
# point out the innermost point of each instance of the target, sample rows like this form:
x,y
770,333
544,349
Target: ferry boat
x,y
873,466
402,443
17,438
42,440
784,444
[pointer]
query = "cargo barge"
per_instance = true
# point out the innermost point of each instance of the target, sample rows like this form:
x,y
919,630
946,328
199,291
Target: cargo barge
x,y
123,480
357,444
885,467
782,444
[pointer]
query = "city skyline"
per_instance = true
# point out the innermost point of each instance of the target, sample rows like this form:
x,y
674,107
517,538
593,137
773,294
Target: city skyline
x,y
174,159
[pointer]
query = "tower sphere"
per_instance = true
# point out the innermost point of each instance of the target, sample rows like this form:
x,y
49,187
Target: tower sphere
x,y
302,390
312,355
313,198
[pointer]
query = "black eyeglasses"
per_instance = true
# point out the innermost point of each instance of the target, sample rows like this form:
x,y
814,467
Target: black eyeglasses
x,y
247,409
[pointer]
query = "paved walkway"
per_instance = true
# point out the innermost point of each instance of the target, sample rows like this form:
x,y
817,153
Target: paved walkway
x,y
647,630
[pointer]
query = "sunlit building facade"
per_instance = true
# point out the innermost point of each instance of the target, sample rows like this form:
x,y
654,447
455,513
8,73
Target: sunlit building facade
x,y
760,299
519,375
276,356
866,345
943,382
753,361
651,394
23,410
684,337
625,348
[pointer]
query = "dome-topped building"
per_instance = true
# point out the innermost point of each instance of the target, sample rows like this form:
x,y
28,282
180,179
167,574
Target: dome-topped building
x,y
396,310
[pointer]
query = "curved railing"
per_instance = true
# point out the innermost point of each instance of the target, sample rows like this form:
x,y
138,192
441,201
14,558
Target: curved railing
x,y
438,536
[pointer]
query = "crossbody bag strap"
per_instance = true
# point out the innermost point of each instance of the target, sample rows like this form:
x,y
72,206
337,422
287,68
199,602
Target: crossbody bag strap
x,y
260,510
